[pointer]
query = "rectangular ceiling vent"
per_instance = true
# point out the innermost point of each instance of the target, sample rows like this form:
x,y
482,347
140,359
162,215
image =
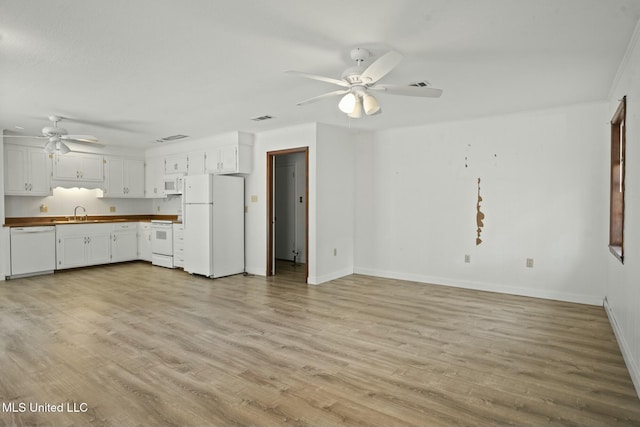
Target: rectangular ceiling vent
x,y
172,138
261,118
423,83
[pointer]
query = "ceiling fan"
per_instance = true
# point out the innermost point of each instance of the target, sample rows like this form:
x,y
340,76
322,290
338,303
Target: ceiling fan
x,y
358,82
56,137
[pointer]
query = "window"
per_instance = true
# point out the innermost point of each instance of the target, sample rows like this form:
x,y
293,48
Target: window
x,y
616,211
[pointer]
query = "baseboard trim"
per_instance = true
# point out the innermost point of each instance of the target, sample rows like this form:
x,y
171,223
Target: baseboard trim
x,y
483,286
318,280
633,369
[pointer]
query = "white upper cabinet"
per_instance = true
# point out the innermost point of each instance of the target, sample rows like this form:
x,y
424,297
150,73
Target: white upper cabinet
x,y
229,159
196,163
176,164
153,178
79,167
124,177
27,171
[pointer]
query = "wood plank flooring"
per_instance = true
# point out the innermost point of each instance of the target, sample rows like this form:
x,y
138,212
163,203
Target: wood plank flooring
x,y
132,344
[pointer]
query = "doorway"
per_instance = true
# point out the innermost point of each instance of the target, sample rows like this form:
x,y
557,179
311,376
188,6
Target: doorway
x,y
288,213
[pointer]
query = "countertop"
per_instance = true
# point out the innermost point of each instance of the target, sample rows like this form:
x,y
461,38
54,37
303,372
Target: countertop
x,y
36,221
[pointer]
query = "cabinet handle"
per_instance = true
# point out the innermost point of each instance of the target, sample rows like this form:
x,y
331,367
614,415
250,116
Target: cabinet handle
x,y
25,186
30,187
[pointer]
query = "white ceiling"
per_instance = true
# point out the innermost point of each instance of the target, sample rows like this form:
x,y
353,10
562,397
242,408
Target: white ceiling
x,y
133,71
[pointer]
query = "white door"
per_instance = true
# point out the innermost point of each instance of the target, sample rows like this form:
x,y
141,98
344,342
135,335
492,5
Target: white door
x,y
197,239
285,206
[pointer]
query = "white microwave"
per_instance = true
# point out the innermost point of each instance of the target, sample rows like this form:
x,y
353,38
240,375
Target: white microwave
x,y
173,184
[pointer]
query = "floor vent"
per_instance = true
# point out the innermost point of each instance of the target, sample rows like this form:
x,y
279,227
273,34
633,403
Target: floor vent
x,y
172,138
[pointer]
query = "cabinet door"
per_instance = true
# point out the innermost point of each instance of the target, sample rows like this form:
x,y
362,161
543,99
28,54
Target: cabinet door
x,y
124,246
114,178
196,163
15,170
66,167
39,171
134,178
228,159
176,164
144,242
212,160
99,248
91,168
70,251
153,178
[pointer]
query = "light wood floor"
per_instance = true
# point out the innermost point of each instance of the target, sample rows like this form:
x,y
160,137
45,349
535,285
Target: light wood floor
x,y
143,345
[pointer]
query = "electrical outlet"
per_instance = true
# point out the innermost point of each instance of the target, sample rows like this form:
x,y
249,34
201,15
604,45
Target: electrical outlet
x,y
529,262
254,199
112,208
467,258
44,208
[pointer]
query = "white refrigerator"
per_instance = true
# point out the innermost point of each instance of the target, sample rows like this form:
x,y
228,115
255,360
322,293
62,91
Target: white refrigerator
x,y
213,221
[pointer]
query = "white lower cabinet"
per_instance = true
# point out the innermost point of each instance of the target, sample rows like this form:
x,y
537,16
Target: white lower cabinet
x,y
80,245
144,241
124,242
178,245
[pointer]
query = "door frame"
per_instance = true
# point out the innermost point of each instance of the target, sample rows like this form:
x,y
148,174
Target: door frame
x,y
271,155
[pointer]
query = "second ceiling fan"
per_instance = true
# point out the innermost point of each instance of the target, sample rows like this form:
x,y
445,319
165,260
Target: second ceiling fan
x,y
358,81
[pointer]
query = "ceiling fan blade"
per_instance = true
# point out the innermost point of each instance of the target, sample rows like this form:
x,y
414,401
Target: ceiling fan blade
x,y
81,138
379,68
323,96
317,77
427,92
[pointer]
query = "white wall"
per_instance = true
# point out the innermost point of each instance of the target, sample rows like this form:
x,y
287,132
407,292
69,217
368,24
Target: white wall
x,y
63,201
256,185
331,193
623,281
543,183
335,206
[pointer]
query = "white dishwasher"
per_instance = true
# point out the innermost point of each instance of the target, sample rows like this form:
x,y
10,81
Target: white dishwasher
x,y
33,250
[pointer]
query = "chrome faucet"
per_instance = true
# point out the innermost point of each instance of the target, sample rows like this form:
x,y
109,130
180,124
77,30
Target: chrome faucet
x,y
75,213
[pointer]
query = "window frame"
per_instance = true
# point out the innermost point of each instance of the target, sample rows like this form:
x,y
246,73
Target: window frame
x,y
617,180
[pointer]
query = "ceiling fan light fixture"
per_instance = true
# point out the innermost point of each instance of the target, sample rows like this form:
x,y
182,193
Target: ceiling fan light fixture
x,y
50,147
356,113
370,104
347,103
62,148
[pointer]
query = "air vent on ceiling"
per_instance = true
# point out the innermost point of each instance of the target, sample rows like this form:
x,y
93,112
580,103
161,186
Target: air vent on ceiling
x,y
423,83
261,118
172,138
